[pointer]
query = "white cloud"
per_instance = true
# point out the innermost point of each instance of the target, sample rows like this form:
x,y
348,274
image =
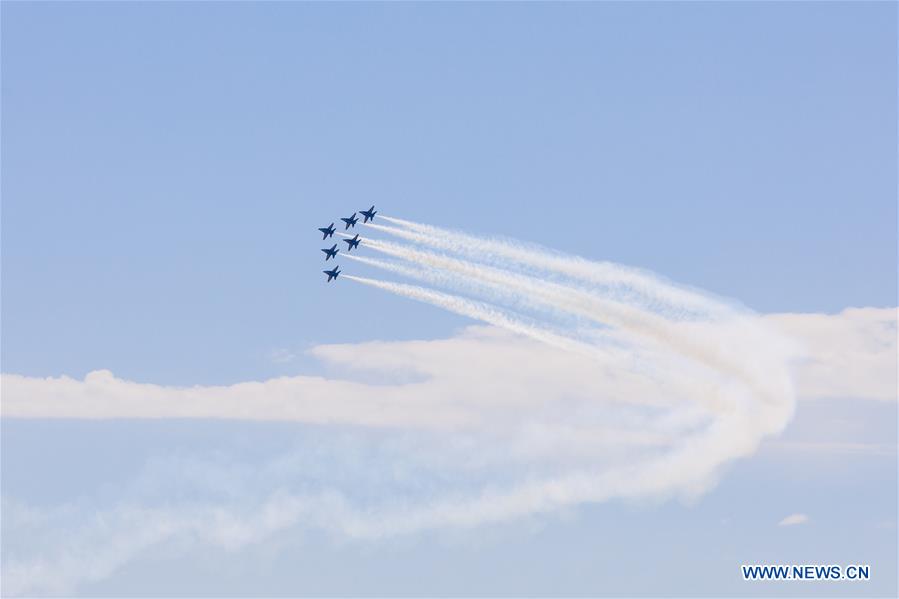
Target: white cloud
x,y
458,381
793,520
850,355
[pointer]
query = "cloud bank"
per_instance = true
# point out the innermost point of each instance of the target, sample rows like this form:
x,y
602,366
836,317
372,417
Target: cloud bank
x,y
445,383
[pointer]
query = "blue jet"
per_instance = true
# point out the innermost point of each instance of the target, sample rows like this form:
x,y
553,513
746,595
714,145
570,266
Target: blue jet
x,y
327,231
369,214
351,221
352,243
332,253
332,274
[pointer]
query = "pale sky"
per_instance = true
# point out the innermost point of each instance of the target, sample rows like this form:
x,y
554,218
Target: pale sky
x,y
188,409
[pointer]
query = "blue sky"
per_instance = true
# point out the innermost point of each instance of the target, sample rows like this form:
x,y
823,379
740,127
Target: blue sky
x,y
165,167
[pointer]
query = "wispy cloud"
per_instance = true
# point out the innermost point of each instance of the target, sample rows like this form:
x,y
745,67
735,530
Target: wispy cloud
x,y
850,448
282,355
794,520
847,355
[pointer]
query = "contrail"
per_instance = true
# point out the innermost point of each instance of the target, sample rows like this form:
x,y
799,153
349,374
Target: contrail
x,y
739,422
664,297
502,285
497,285
535,291
605,347
483,312
511,427
421,274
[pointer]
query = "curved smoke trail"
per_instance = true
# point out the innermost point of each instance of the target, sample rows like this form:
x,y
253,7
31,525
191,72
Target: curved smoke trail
x,y
706,351
614,384
615,309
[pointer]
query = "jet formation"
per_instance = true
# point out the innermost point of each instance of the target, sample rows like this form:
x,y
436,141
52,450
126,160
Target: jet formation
x,y
352,243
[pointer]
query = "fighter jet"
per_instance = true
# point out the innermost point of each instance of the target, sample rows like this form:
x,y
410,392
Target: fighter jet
x,y
332,274
332,253
351,221
352,243
327,231
369,214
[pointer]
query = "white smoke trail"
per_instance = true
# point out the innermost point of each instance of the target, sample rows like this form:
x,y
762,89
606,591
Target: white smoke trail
x,y
704,380
484,313
565,297
560,298
687,333
665,296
